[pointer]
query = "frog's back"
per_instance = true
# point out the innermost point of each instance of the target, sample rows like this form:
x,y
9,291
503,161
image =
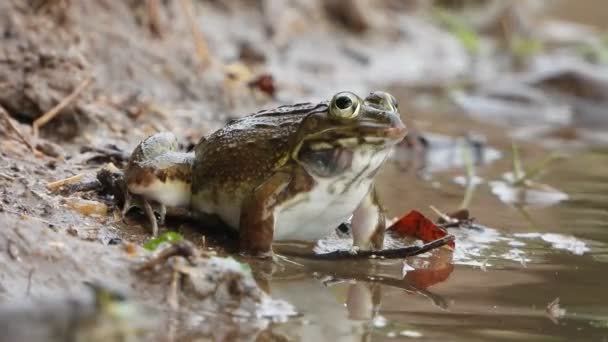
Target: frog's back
x,y
237,158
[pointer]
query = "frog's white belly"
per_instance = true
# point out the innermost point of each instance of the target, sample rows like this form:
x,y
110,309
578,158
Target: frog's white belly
x,y
312,215
317,213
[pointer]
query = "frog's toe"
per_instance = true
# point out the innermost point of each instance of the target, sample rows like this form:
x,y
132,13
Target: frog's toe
x,y
151,217
269,255
162,214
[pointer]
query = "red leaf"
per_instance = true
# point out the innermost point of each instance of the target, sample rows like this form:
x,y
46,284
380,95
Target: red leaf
x,y
416,225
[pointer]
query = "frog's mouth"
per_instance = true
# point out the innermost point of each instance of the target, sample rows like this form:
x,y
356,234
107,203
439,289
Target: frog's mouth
x,y
383,133
377,136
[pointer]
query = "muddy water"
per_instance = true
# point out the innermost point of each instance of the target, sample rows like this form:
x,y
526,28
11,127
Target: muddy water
x,y
504,273
502,276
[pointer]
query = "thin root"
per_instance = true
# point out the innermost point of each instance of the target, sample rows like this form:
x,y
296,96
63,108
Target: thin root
x,y
202,50
48,116
15,129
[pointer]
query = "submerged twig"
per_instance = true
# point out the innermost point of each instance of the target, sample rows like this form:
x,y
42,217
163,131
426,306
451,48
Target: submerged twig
x,y
395,253
48,116
536,169
518,170
470,178
443,216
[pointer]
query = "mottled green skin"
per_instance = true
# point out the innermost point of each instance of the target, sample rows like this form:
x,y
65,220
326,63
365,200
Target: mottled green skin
x,y
247,151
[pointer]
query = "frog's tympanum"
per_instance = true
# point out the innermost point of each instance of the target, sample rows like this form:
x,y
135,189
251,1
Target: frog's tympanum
x,y
291,173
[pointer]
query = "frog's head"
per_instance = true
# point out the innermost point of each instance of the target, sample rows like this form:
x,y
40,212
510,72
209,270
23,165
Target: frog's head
x,y
351,128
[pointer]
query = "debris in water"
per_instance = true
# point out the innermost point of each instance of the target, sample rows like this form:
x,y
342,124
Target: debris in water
x,y
519,186
559,241
554,311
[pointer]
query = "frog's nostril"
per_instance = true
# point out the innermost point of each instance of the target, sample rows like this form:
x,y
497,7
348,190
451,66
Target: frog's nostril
x,y
396,132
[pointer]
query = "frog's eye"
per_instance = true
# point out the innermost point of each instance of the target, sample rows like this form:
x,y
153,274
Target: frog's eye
x,y
345,105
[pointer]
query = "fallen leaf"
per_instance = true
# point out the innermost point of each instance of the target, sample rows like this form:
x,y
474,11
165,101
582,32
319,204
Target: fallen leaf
x,y
417,225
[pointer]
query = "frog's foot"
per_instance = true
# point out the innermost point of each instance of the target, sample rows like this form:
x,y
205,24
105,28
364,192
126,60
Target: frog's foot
x,y
128,205
162,213
149,208
259,255
150,215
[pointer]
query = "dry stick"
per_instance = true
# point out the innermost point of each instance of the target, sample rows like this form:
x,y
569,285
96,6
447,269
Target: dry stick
x,y
154,17
202,50
15,129
48,116
53,186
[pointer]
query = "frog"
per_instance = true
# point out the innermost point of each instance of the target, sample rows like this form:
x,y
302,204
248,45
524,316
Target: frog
x,y
295,172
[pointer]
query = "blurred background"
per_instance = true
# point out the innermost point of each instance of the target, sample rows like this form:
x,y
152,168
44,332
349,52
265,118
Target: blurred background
x,y
505,101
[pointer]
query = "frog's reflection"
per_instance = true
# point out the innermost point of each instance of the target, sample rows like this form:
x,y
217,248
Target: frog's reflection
x,y
341,299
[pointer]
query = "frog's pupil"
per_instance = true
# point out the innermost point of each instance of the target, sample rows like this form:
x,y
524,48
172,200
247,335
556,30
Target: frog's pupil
x,y
343,102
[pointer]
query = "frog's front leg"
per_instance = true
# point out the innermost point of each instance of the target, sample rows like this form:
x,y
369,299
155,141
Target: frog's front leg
x,y
369,223
256,226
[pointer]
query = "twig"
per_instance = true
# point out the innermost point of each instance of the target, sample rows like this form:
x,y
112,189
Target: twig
x,y
443,216
29,281
53,186
48,116
470,172
172,296
202,50
518,170
173,301
537,168
93,185
154,17
182,248
4,175
110,153
395,253
15,129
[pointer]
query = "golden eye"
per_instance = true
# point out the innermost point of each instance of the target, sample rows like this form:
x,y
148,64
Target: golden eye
x,y
345,105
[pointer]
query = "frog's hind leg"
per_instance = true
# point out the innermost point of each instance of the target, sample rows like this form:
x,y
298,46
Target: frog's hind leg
x,y
369,223
256,224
